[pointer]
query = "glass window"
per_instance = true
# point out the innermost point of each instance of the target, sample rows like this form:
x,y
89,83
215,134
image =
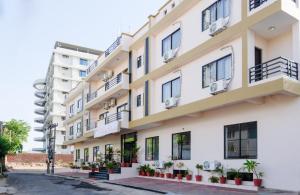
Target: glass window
x,y
82,73
171,42
139,62
77,154
152,148
86,155
65,56
79,104
72,108
217,70
103,116
83,62
241,141
181,146
220,9
139,100
96,153
171,89
109,152
71,130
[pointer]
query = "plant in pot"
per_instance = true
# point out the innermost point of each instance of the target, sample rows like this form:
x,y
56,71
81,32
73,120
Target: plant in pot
x,y
157,173
251,167
167,166
179,165
161,175
214,179
135,151
141,170
110,166
189,175
237,176
221,172
199,168
93,167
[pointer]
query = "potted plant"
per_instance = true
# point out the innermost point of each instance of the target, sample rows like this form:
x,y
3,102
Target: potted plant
x,y
161,175
179,165
189,175
237,176
221,172
156,174
251,166
141,170
93,167
167,166
199,168
214,179
110,166
135,151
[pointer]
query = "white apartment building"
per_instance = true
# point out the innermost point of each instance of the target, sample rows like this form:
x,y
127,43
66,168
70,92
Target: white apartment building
x,y
220,75
67,68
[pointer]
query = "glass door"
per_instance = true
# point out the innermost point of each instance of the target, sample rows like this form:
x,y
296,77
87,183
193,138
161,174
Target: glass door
x,y
128,145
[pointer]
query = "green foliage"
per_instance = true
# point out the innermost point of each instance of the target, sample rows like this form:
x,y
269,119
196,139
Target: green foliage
x,y
110,165
199,168
16,131
214,179
220,171
236,173
4,146
251,166
168,165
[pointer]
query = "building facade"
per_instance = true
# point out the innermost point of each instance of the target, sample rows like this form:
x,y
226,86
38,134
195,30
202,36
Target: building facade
x,y
201,81
67,68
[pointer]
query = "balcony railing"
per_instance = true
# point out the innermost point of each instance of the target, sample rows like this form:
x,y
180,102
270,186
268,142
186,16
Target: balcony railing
x,y
92,125
274,67
92,66
113,46
114,117
113,82
256,3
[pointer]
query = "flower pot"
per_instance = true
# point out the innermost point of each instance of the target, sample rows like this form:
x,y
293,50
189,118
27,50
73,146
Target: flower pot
x,y
238,181
110,171
127,164
134,160
188,177
168,175
162,175
173,176
123,164
93,170
156,174
143,173
179,176
148,174
198,177
222,180
257,182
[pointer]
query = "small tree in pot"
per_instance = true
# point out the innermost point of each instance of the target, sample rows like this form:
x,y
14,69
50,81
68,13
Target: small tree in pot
x,y
167,166
93,167
237,176
199,168
179,165
251,167
221,172
189,175
135,151
110,166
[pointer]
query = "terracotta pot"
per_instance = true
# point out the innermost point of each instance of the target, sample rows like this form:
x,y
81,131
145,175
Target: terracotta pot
x,y
188,177
123,164
156,174
179,176
143,173
238,181
110,171
93,170
173,176
127,164
134,160
168,175
257,182
148,174
222,180
162,175
198,177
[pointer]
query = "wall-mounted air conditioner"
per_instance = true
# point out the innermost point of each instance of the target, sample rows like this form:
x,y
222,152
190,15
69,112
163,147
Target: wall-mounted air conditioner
x,y
218,87
107,75
171,102
218,26
170,55
106,105
113,102
211,165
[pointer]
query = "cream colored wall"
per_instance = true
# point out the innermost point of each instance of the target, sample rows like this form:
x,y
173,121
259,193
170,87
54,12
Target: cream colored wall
x,y
138,72
278,160
191,87
137,112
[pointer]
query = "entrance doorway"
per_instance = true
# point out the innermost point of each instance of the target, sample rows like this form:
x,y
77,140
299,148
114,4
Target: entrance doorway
x,y
128,146
258,64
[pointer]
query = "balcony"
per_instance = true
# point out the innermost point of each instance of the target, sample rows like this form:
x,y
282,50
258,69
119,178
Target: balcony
x,y
115,88
274,68
40,120
257,3
112,124
113,46
39,149
40,111
39,129
79,133
40,139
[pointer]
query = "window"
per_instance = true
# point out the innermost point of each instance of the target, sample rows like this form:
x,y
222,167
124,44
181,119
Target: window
x,y
217,70
96,153
64,80
79,127
71,130
82,73
240,141
72,109
103,116
83,62
86,154
63,132
171,89
139,100
109,152
121,108
181,146
79,104
171,42
152,148
87,124
139,62
65,68
77,154
219,9
63,147
65,56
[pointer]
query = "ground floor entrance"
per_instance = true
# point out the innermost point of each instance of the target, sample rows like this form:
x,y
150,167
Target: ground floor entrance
x,y
128,147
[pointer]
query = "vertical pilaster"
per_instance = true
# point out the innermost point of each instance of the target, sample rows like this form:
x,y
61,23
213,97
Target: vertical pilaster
x,y
130,66
147,55
146,98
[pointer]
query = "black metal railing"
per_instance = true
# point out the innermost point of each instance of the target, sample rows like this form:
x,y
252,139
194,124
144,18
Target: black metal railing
x,y
277,66
255,3
113,46
113,82
114,117
92,67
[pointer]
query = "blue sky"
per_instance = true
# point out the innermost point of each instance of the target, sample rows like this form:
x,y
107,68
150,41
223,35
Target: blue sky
x,y
29,29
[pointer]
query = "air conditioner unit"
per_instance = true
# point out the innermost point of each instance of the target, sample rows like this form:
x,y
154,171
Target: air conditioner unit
x,y
107,75
171,102
112,102
211,165
106,105
170,55
218,87
218,26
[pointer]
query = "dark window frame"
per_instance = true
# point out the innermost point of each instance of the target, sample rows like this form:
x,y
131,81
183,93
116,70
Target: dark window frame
x,y
82,73
139,100
170,35
96,149
209,64
162,88
139,62
240,139
77,154
103,115
153,152
180,133
86,155
71,128
85,60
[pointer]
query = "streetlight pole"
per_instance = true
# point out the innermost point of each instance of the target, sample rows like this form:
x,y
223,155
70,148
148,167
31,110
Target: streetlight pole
x,y
51,148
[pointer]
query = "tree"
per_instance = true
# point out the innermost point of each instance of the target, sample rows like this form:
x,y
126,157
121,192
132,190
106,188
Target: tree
x,y
16,132
4,148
